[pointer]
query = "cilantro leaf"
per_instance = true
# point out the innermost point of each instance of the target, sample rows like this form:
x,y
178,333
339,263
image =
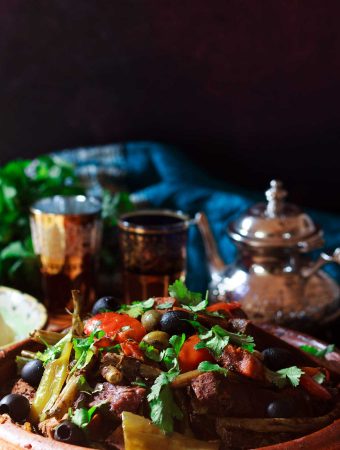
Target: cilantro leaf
x,y
165,305
83,349
82,416
281,377
136,309
242,340
319,377
53,352
215,340
150,351
163,408
206,366
180,292
177,342
316,352
196,308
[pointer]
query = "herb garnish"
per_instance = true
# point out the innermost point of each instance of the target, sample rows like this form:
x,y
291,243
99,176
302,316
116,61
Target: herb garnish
x,y
191,301
316,352
150,351
82,416
83,349
162,404
206,366
53,352
136,309
282,376
217,338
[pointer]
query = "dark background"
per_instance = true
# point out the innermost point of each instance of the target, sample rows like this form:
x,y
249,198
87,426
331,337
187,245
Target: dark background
x,y
249,89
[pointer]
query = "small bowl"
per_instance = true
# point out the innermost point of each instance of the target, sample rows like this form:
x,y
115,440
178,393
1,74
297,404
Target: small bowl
x,y
20,313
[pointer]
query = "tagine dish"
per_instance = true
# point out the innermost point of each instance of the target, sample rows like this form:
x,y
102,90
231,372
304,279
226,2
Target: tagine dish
x,y
169,372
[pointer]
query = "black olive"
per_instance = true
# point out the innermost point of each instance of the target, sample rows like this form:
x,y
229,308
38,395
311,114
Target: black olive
x,y
32,372
69,432
105,304
16,406
276,358
283,407
174,322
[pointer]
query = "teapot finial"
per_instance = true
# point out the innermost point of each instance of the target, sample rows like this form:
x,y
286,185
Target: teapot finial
x,y
275,196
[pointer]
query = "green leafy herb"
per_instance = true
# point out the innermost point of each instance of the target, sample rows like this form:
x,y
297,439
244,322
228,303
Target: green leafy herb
x,y
319,377
53,352
82,416
196,308
136,309
83,349
111,349
215,340
316,352
180,292
281,377
22,182
170,354
177,342
150,351
163,408
83,385
165,305
206,366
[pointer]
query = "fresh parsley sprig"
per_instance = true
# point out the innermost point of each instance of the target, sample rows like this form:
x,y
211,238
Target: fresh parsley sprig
x,y
137,309
282,377
163,408
191,301
217,338
206,366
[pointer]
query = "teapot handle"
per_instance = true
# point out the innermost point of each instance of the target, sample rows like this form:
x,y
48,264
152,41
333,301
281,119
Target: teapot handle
x,y
215,261
323,259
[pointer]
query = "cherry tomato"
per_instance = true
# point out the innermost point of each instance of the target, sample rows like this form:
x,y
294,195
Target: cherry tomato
x,y
223,306
132,349
313,388
189,358
118,327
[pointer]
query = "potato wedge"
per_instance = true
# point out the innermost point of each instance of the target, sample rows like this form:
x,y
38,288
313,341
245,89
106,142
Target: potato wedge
x,y
141,434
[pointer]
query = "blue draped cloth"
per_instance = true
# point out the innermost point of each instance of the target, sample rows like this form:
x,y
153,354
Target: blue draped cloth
x,y
162,176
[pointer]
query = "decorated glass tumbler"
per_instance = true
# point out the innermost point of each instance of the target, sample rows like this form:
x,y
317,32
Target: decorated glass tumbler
x,y
153,248
66,234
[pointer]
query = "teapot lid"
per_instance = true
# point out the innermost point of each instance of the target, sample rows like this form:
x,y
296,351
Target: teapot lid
x,y
276,224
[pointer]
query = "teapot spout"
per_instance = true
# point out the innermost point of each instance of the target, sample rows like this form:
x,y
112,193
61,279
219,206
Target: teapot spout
x,y
216,264
324,258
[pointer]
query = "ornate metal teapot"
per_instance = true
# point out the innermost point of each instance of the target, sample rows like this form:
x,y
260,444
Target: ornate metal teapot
x,y
273,277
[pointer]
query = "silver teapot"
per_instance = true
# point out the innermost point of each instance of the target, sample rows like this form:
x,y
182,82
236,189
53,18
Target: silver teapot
x,y
273,275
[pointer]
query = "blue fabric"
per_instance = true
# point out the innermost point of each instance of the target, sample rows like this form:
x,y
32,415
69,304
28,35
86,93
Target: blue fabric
x,y
164,177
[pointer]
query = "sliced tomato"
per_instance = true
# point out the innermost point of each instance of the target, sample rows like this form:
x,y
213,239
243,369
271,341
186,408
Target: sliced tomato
x,y
132,349
223,306
313,388
189,358
118,327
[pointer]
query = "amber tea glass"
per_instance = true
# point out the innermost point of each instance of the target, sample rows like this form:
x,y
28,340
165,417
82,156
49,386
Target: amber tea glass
x,y
153,248
66,233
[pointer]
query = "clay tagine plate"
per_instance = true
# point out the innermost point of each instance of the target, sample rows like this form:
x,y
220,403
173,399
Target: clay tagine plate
x,y
12,437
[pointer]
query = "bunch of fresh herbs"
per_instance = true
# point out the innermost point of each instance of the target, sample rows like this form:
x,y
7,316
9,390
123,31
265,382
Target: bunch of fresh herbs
x,y
23,182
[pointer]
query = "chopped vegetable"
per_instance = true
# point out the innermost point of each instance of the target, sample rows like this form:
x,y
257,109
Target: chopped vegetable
x,y
53,351
316,352
51,384
223,307
141,434
112,323
190,356
313,387
150,351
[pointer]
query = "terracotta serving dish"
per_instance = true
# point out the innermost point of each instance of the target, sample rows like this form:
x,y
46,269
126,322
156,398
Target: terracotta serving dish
x,y
12,437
